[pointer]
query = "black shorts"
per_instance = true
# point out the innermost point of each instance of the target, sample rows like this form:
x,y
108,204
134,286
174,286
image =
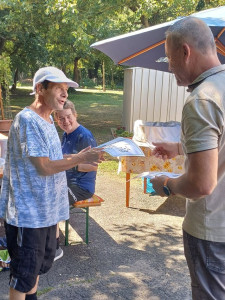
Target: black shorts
x,y
32,252
77,194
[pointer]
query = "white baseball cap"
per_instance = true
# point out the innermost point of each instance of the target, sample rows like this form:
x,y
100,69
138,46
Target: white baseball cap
x,y
52,74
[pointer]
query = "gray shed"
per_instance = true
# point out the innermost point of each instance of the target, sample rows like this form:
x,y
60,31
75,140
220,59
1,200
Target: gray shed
x,y
151,96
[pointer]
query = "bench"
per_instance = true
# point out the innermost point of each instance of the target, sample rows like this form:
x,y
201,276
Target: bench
x,y
84,205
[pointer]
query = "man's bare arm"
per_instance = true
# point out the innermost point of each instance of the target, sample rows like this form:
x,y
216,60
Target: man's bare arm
x,y
167,150
47,167
201,176
86,168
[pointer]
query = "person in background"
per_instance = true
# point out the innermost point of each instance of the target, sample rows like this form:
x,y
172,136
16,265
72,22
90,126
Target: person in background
x,y
192,57
81,178
34,195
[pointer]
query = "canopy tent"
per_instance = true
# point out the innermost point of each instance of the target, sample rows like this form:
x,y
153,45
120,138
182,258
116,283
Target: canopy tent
x,y
145,48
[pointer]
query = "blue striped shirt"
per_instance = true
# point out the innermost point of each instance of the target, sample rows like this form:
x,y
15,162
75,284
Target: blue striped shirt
x,y
27,198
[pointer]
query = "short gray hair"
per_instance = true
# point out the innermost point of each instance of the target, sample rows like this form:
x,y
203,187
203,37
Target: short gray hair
x,y
67,105
192,31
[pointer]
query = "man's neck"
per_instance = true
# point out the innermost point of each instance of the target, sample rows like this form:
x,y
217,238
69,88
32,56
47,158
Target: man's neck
x,y
201,64
42,110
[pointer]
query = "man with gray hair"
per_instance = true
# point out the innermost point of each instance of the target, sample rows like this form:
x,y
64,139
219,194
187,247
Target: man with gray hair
x,y
193,59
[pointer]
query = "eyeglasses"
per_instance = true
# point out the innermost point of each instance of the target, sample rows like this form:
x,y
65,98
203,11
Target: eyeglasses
x,y
63,119
163,59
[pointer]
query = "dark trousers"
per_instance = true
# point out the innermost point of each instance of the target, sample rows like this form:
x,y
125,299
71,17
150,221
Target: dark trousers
x,y
206,263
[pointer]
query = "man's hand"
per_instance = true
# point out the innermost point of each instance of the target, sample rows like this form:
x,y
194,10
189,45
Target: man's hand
x,y
91,155
157,183
46,167
166,150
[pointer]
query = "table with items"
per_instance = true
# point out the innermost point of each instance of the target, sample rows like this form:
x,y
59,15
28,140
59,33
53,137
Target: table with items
x,y
144,134
149,163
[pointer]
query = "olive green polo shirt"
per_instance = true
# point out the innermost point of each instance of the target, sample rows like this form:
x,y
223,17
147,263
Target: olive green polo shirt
x,y
203,129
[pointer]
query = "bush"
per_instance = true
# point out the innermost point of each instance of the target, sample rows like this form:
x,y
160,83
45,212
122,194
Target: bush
x,y
120,131
87,83
5,78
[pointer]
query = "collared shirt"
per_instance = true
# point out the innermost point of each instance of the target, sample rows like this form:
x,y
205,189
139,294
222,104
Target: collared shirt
x,y
204,75
203,129
27,198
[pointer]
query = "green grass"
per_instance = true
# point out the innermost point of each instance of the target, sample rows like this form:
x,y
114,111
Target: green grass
x,y
20,99
98,111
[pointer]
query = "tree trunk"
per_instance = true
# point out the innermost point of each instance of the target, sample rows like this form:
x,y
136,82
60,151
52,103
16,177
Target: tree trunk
x,y
63,68
200,6
112,79
96,67
2,43
144,21
1,104
15,79
103,76
90,73
76,70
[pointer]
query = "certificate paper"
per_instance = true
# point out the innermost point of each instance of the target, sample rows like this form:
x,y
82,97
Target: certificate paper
x,y
121,147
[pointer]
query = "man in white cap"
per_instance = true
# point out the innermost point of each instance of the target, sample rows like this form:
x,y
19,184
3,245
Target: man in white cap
x,y
34,195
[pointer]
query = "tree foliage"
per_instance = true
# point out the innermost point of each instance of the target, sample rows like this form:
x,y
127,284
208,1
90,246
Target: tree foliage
x,y
35,33
5,75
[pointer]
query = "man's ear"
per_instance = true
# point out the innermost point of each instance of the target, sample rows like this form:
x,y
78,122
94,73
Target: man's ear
x,y
186,52
39,89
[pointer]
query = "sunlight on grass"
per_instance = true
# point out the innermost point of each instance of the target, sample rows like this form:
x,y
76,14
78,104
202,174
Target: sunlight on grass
x,y
102,105
24,87
110,166
100,91
96,91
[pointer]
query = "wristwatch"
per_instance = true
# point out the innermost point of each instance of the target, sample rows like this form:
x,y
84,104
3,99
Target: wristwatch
x,y
166,189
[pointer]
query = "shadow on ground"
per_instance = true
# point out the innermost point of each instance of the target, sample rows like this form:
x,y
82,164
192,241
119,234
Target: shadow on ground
x,y
133,254
173,206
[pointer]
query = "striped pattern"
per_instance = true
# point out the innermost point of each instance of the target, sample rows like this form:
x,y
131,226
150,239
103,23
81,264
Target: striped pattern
x,y
151,96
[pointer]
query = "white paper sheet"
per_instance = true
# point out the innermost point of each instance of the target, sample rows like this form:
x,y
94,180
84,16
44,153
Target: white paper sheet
x,y
121,147
155,174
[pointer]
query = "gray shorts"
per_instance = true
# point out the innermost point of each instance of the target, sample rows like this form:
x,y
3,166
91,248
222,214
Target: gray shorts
x,y
77,194
206,263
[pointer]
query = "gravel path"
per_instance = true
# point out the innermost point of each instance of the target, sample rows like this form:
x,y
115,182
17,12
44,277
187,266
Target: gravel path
x,y
134,253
